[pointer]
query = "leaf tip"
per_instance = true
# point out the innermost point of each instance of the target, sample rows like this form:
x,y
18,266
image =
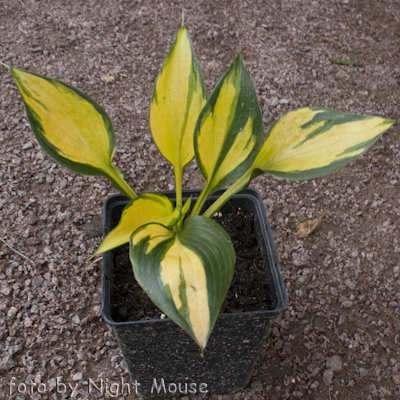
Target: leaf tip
x,y
183,18
5,65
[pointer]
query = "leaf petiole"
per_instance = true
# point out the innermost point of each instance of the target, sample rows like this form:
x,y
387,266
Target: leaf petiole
x,y
235,188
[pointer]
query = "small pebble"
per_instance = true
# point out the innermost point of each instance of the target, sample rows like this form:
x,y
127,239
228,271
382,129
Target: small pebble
x,y
78,376
12,312
108,78
334,363
37,281
315,371
5,289
396,379
274,102
327,377
257,386
351,285
6,363
14,349
27,146
314,385
52,384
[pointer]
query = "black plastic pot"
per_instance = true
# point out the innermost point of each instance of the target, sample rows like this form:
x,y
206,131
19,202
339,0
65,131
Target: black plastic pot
x,y
158,351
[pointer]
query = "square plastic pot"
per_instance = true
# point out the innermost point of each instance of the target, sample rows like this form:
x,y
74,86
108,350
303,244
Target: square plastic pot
x,y
162,358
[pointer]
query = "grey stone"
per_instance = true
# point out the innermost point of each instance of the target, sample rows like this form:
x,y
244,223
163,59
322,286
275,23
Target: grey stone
x,y
50,178
299,259
351,285
96,226
14,349
5,289
78,376
27,146
37,281
257,386
6,363
12,312
327,377
297,395
334,363
314,385
274,102
315,371
268,202
52,384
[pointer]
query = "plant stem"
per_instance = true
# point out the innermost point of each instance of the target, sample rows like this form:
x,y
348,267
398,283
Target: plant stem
x,y
178,186
178,172
200,201
236,187
119,183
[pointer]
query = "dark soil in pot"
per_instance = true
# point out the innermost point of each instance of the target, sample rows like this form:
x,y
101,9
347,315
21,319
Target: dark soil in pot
x,y
248,290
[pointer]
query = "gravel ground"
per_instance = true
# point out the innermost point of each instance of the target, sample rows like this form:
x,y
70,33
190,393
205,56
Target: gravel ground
x,y
339,336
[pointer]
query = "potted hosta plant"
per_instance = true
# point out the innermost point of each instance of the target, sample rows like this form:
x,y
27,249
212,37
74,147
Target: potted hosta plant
x,y
180,256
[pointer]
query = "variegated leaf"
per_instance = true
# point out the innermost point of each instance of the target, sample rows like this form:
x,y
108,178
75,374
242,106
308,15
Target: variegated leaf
x,y
311,142
143,210
228,132
186,274
308,143
179,95
71,127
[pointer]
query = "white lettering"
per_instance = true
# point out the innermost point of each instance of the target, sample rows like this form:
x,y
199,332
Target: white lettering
x,y
73,389
21,391
203,386
42,385
59,384
180,389
114,384
92,383
162,385
136,384
126,385
12,384
172,390
193,387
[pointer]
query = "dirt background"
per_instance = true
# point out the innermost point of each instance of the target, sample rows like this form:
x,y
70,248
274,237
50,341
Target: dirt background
x,y
339,336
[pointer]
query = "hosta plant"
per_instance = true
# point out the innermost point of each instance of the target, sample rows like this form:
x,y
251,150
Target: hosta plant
x,y
185,262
